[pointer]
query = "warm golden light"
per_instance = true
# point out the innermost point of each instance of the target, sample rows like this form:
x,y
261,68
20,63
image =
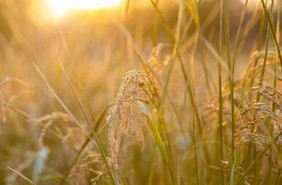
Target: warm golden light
x,y
60,7
251,3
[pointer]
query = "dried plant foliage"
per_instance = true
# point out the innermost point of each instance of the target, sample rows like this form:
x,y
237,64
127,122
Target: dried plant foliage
x,y
157,61
136,87
89,169
46,121
259,105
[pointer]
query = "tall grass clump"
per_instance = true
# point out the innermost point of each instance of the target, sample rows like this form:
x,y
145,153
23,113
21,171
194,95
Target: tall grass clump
x,y
136,88
200,101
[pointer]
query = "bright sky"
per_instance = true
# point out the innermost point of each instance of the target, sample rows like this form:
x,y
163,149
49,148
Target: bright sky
x,y
60,7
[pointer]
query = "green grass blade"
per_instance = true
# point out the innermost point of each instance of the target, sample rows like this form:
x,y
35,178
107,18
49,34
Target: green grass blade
x,y
176,54
220,120
146,66
232,91
173,40
152,166
268,15
259,157
194,122
274,86
262,78
161,146
227,34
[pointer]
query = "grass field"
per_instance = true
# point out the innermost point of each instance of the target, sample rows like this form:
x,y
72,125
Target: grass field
x,y
153,92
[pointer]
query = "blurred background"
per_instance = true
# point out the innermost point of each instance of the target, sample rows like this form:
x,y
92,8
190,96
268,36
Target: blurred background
x,y
92,42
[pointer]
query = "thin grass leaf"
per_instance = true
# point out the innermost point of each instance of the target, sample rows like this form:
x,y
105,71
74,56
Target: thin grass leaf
x,y
215,54
274,86
152,166
278,177
268,15
79,84
249,25
173,40
261,81
194,121
161,146
220,119
231,85
162,18
192,7
253,75
158,139
16,110
77,97
232,178
76,121
259,157
232,92
176,54
127,6
85,143
22,176
147,68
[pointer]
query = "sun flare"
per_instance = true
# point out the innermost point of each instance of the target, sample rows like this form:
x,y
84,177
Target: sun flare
x,y
60,7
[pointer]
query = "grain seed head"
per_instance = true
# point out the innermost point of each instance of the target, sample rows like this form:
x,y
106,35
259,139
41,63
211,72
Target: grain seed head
x,y
136,86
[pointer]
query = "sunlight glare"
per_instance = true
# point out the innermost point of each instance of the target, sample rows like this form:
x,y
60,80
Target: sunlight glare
x,y
61,7
251,3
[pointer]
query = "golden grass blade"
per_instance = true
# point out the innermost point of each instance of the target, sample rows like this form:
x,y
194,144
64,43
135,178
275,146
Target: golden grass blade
x,y
215,54
272,30
259,157
79,84
77,97
22,176
76,121
59,100
85,143
161,146
192,7
145,65
194,120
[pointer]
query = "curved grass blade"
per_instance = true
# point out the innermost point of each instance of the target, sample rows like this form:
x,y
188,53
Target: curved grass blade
x,y
76,121
161,146
85,143
268,15
147,67
79,84
259,157
76,96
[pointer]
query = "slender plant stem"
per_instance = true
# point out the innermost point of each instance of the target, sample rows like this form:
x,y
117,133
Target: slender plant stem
x,y
259,157
77,122
220,91
246,163
194,123
232,85
274,94
227,33
261,83
152,166
269,17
